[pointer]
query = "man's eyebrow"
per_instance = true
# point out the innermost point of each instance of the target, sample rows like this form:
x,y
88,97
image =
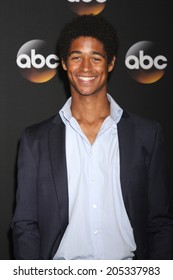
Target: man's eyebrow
x,y
74,52
79,52
98,53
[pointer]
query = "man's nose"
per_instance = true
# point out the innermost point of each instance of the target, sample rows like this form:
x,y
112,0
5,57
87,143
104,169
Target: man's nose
x,y
86,65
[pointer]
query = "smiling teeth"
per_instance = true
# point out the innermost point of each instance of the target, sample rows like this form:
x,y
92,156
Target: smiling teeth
x,y
86,79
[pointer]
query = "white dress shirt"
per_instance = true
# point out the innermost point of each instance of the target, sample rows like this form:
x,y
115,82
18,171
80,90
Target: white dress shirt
x,y
98,227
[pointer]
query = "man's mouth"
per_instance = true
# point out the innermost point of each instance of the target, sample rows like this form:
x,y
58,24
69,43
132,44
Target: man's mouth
x,y
86,79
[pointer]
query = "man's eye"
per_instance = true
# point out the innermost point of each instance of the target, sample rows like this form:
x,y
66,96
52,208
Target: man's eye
x,y
75,58
96,59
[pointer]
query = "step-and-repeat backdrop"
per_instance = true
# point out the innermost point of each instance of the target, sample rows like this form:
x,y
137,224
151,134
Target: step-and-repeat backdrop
x,y
32,89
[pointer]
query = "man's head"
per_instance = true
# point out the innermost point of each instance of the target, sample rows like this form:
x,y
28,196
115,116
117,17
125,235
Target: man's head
x,y
89,26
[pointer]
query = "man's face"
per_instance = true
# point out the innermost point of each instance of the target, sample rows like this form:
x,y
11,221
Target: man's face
x,y
87,66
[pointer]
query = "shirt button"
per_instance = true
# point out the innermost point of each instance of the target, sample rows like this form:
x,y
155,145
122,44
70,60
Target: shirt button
x,y
95,232
94,206
90,153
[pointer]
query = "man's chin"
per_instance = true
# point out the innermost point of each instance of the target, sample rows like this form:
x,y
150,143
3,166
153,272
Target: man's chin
x,y
87,93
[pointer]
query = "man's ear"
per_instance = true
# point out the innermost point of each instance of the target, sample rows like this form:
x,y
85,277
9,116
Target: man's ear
x,y
111,64
63,65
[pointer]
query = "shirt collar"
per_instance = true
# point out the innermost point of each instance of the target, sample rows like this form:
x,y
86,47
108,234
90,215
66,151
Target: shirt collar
x,y
65,112
115,110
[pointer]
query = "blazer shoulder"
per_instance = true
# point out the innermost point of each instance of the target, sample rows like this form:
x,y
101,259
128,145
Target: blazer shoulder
x,y
143,129
141,123
39,130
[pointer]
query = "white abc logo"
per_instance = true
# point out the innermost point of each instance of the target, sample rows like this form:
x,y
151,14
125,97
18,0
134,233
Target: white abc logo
x,y
87,7
38,61
144,64
86,1
146,61
35,61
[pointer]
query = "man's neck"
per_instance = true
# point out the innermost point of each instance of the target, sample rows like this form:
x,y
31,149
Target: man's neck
x,y
90,112
91,108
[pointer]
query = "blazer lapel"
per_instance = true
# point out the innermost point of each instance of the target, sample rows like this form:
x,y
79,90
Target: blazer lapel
x,y
126,148
59,169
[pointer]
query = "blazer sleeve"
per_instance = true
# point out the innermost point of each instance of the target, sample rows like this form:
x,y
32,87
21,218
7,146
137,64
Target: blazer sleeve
x,y
160,222
26,237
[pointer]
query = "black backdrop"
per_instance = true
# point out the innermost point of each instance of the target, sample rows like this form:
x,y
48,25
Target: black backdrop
x,y
23,102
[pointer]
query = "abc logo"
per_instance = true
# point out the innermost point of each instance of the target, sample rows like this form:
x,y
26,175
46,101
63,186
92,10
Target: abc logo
x,y
36,64
144,63
86,7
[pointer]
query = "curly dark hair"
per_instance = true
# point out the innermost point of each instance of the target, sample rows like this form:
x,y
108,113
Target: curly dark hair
x,y
92,26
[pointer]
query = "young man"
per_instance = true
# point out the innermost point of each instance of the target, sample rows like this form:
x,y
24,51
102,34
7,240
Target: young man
x,y
92,180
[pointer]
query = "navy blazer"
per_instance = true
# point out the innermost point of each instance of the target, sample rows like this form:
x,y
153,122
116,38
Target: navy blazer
x,y
41,214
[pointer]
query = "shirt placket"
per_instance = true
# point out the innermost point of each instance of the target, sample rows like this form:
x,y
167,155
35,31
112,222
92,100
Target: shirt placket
x,y
95,205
